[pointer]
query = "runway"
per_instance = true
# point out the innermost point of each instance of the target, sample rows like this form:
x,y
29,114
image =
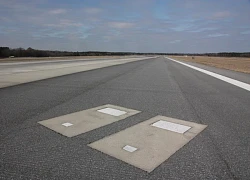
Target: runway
x,y
153,87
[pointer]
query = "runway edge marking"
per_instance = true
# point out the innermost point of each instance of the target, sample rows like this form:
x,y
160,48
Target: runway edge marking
x,y
218,76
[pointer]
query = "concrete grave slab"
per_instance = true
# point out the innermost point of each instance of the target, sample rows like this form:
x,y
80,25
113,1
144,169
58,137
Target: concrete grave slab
x,y
83,121
147,146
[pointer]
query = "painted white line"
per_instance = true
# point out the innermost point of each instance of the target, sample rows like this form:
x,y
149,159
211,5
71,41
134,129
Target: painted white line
x,y
129,148
218,76
111,111
67,124
178,128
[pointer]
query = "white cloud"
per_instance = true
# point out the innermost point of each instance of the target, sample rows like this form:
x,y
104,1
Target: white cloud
x,y
175,41
203,29
120,22
58,11
121,25
65,23
92,10
221,15
217,35
246,32
5,19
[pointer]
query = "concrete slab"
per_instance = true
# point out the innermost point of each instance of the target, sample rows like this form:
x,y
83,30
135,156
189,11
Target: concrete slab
x,y
153,145
81,122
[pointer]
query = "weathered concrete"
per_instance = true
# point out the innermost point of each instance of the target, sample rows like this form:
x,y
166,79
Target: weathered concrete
x,y
154,145
85,121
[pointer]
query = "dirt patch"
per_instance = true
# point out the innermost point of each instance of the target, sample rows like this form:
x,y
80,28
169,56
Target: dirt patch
x,y
234,63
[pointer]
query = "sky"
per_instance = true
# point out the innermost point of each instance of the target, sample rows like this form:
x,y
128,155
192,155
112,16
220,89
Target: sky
x,y
181,26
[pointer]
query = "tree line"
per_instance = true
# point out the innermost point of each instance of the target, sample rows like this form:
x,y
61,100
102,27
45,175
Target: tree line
x,y
29,52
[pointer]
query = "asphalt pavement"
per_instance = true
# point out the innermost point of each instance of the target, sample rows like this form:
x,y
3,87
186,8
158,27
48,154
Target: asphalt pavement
x,y
155,87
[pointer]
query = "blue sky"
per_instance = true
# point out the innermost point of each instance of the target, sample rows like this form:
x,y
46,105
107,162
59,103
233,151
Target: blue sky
x,y
127,25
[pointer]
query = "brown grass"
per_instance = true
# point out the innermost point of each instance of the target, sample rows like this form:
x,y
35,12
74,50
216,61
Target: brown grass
x,y
234,63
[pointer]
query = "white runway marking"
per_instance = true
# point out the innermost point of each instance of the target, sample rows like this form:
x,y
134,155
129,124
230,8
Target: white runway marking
x,y
218,76
112,112
178,128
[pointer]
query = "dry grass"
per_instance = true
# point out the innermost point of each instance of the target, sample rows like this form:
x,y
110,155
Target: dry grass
x,y
235,64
